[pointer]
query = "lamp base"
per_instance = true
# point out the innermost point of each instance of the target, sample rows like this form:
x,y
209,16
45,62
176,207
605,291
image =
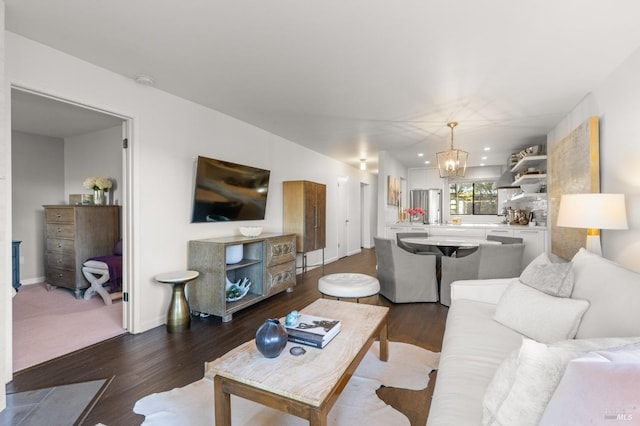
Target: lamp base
x,y
593,244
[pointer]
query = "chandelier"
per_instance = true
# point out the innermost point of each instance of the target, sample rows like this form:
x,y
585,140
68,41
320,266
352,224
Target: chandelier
x,y
452,163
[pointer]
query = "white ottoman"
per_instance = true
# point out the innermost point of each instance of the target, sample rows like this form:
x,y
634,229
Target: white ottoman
x,y
348,286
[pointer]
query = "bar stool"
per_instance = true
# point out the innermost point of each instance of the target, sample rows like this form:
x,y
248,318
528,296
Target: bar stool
x,y
178,316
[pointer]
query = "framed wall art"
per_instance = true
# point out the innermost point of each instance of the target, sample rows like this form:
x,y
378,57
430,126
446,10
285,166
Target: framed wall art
x,y
574,168
393,190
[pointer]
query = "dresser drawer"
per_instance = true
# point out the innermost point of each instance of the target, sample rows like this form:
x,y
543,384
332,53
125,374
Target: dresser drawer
x,y
280,277
59,215
280,250
60,230
62,277
60,246
61,260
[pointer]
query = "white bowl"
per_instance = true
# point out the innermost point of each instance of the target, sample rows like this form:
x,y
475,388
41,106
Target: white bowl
x,y
234,254
530,187
251,231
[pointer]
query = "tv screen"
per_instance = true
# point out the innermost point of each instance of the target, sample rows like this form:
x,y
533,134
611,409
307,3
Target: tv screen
x,y
226,191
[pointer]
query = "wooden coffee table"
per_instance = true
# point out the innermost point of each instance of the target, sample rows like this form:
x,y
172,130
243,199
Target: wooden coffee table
x,y
306,386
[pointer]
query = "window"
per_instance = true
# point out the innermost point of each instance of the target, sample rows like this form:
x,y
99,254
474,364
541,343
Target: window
x,y
473,198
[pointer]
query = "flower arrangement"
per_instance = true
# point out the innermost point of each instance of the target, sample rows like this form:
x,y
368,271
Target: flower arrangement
x,y
416,211
97,183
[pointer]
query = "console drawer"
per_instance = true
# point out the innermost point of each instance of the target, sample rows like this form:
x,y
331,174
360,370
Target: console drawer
x,y
280,250
280,277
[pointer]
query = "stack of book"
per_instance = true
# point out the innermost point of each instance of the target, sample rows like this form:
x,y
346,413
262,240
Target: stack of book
x,y
313,331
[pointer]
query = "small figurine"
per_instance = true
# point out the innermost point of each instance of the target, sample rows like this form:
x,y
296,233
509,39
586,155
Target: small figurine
x,y
292,319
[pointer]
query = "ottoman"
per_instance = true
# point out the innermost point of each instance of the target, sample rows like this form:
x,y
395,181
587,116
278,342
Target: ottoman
x,y
348,286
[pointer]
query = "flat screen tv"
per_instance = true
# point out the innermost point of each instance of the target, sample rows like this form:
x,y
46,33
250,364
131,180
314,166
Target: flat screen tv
x,y
226,191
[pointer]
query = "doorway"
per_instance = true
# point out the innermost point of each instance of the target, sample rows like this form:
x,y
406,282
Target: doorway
x,y
55,145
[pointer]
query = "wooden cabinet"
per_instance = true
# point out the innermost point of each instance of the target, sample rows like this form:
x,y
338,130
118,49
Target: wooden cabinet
x,y
268,261
74,234
305,213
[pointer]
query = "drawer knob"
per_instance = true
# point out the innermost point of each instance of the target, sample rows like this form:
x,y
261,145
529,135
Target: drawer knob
x,y
58,215
59,230
59,245
59,275
59,261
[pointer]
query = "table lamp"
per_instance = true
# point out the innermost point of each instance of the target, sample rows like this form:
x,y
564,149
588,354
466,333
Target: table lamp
x,y
595,212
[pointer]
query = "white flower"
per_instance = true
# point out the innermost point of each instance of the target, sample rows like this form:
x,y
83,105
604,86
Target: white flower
x,y
97,183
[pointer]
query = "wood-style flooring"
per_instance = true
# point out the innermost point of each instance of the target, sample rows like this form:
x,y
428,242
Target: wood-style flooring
x,y
155,361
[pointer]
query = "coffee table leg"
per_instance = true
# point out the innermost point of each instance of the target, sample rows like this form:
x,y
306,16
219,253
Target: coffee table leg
x,y
384,342
318,418
222,403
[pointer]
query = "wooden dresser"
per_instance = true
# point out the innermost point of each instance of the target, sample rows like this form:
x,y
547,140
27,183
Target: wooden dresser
x,y
72,235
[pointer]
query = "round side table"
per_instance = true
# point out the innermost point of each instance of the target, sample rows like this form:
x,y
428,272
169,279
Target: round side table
x,y
178,316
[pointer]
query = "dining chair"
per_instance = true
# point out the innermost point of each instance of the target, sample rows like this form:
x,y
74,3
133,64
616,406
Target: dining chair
x,y
425,249
488,261
405,277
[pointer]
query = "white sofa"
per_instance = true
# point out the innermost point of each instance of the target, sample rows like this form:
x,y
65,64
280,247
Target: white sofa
x,y
483,361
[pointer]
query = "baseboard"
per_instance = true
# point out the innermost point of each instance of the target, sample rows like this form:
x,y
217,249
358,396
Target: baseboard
x,y
30,281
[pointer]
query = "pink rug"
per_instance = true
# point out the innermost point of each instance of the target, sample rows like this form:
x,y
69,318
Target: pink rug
x,y
49,324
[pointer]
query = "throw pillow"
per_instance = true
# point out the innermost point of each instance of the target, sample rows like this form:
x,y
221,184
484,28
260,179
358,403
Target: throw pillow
x,y
614,294
555,279
539,316
595,391
525,381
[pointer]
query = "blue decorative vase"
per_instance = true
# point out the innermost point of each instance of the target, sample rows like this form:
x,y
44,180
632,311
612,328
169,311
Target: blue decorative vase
x,y
271,338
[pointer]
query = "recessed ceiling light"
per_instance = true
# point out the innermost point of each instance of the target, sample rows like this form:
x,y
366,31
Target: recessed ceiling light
x,y
483,158
481,164
143,79
420,154
487,148
427,162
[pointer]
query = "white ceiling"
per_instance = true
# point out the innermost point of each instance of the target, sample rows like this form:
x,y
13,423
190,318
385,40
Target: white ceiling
x,y
350,78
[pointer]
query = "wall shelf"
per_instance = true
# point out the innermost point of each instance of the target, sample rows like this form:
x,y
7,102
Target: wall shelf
x,y
529,161
532,178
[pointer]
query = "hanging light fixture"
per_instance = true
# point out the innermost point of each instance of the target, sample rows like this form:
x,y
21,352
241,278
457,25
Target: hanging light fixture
x,y
363,164
453,162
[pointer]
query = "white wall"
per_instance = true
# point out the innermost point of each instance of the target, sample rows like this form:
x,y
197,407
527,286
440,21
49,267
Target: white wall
x,y
5,222
94,154
617,103
168,134
37,179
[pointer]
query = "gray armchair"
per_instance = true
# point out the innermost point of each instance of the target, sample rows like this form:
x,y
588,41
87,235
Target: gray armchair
x,y
489,261
405,277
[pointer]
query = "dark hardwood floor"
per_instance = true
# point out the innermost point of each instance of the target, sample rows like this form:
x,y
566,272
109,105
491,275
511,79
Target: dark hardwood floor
x,y
155,361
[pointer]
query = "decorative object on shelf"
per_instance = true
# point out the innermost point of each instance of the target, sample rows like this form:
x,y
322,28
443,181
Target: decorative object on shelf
x,y
238,290
271,338
292,319
234,254
251,231
452,163
593,211
99,185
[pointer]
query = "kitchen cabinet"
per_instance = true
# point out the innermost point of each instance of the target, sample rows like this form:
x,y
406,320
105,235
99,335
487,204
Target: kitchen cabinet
x,y
268,262
533,239
74,234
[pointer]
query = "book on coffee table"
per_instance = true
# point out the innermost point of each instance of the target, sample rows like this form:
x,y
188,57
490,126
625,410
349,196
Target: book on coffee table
x,y
313,331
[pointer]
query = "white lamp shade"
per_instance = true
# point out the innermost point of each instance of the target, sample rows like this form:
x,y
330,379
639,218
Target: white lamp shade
x,y
596,211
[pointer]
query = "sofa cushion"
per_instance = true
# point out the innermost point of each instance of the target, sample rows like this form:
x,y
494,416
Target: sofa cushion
x,y
595,390
473,347
525,381
614,295
555,279
539,316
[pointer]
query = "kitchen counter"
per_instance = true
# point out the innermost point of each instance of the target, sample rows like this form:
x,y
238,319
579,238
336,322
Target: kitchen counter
x,y
469,225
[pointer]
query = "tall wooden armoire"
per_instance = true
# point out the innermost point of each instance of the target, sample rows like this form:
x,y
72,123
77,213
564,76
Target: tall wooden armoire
x,y
305,208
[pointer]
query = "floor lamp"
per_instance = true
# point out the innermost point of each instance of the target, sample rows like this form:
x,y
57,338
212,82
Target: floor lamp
x,y
594,212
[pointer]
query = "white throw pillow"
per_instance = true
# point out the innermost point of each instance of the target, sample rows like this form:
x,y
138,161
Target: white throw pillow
x,y
614,294
525,381
539,316
596,391
555,279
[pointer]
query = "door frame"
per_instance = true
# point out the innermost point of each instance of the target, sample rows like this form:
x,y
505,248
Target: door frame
x,y
128,283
